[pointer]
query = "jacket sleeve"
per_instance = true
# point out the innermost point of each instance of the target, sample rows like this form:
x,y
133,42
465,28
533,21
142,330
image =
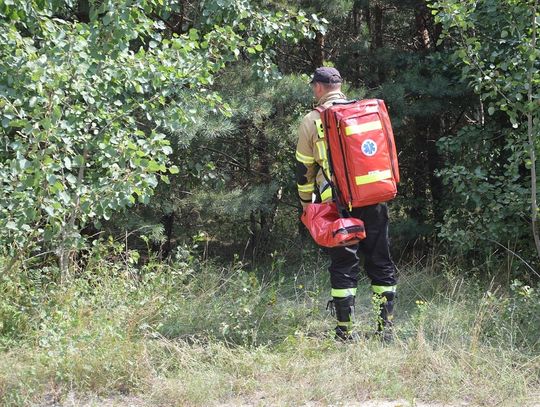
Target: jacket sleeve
x,y
306,167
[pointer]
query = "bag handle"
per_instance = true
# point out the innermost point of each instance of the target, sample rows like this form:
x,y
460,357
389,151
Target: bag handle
x,y
347,102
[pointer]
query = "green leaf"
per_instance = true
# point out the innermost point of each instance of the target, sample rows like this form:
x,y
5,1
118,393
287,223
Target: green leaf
x,y
153,166
71,179
193,34
167,150
49,210
23,163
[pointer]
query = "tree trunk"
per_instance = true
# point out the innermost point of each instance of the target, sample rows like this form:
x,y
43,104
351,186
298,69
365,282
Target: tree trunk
x,y
168,223
318,59
419,180
377,38
532,137
83,11
430,127
422,16
66,253
434,163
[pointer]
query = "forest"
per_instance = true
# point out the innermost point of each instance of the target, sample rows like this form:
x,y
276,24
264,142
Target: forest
x,y
151,248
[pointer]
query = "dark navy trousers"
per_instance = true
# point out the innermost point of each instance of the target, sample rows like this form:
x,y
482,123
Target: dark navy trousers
x,y
374,249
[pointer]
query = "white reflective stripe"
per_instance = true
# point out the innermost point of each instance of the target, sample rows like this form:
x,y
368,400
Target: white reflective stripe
x,y
306,187
306,159
362,128
373,177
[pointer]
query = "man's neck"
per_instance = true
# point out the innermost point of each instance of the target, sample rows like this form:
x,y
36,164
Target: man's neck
x,y
334,94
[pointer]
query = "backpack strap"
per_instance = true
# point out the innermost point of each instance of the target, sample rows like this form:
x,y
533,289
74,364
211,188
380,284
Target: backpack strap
x,y
343,213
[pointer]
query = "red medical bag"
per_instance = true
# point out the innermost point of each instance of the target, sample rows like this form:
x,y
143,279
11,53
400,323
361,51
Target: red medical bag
x,y
362,151
330,230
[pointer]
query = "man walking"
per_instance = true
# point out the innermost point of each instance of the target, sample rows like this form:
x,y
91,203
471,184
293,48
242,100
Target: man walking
x,y
312,165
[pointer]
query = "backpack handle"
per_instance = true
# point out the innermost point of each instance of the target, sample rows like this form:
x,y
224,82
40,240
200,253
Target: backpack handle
x,y
347,102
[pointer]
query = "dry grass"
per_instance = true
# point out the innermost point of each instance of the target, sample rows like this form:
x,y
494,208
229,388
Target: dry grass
x,y
322,372
227,340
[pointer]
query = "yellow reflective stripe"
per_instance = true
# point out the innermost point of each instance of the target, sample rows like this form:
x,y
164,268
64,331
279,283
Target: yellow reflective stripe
x,y
346,324
321,147
343,292
373,177
306,187
327,194
306,159
320,129
362,128
379,289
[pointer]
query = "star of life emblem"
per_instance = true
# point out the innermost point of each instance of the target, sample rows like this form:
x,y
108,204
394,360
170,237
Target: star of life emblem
x,y
369,147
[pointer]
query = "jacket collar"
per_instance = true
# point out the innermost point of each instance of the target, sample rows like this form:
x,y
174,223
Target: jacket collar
x,y
334,95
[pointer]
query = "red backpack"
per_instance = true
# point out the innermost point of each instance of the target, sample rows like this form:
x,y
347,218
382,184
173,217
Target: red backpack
x,y
361,151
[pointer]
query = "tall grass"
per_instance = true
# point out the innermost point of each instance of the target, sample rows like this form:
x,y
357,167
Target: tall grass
x,y
192,333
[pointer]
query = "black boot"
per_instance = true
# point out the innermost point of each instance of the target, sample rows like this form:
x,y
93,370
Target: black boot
x,y
386,315
344,310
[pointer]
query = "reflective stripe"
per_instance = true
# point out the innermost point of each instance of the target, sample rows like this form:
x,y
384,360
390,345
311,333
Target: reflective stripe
x,y
320,129
326,194
343,292
321,148
362,128
347,324
306,187
373,177
304,158
379,289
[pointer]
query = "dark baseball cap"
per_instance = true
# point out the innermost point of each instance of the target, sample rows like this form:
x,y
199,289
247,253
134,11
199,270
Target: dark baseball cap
x,y
326,74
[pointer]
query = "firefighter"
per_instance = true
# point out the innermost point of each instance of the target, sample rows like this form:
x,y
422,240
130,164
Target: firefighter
x,y
312,165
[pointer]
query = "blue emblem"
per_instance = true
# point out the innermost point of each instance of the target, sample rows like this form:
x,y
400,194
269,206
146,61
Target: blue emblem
x,y
369,147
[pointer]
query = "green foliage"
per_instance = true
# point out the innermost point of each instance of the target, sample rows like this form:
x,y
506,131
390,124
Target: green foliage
x,y
86,106
262,29
494,42
82,115
489,189
236,173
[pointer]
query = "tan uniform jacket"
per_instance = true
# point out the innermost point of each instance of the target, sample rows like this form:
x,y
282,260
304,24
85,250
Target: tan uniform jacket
x,y
311,153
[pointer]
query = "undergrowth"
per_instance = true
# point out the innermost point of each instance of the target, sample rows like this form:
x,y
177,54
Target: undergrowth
x,y
166,332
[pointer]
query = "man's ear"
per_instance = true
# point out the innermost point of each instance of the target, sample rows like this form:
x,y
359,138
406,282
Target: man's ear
x,y
316,89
